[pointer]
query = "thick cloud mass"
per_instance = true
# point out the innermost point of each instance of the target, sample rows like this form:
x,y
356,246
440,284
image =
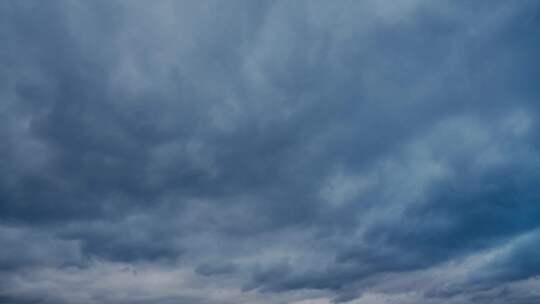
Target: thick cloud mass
x,y
269,152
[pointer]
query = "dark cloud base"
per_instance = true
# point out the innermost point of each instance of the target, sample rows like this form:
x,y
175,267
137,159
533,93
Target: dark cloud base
x,y
269,152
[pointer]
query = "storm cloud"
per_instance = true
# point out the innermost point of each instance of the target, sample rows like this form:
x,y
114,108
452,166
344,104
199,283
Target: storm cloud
x,y
269,152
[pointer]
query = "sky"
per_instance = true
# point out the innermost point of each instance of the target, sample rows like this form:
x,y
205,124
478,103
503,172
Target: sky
x,y
269,152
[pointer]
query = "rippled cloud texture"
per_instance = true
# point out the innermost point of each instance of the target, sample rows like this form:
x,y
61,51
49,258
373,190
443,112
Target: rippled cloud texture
x,y
203,152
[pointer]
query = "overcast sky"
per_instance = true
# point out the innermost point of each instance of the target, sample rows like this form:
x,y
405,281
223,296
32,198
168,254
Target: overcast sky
x,y
270,152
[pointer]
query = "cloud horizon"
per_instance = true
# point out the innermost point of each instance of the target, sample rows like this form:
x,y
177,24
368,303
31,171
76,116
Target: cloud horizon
x,y
319,152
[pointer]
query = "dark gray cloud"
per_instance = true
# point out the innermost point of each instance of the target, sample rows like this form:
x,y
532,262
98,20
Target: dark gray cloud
x,y
269,152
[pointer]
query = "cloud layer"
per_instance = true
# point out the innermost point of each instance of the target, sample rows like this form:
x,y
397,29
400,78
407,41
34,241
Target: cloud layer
x,y
269,152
